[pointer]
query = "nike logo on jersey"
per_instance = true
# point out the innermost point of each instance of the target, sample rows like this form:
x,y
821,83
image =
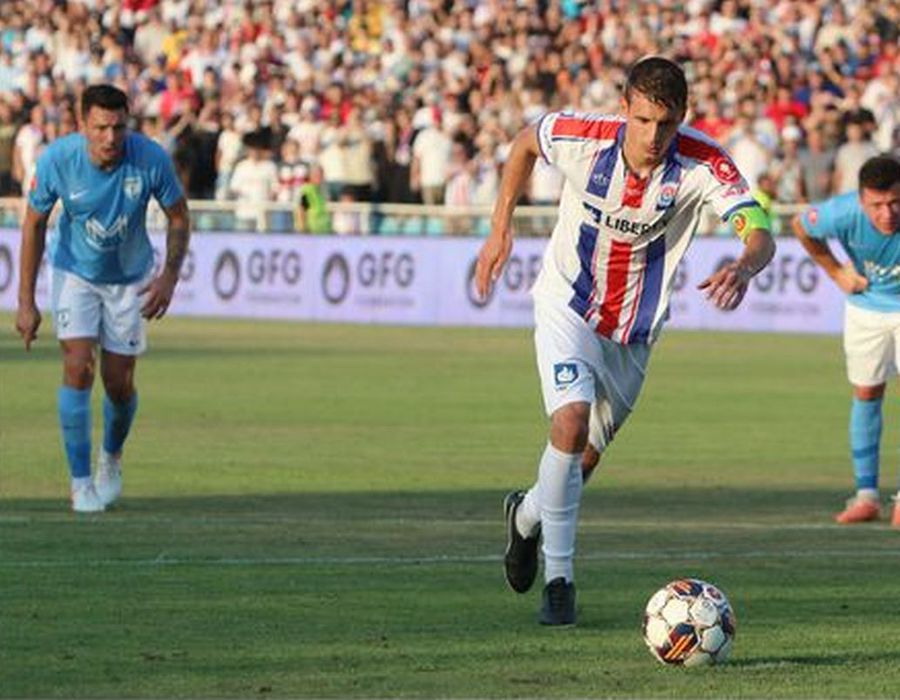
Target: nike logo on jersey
x,y
78,195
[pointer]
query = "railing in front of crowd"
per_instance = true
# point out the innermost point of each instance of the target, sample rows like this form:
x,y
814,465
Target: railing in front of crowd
x,y
379,219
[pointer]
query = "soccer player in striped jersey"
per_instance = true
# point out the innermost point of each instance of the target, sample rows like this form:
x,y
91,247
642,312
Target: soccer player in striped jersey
x,y
634,188
865,224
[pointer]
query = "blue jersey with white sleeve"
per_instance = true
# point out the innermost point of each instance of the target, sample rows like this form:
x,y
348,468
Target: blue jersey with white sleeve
x,y
873,254
101,234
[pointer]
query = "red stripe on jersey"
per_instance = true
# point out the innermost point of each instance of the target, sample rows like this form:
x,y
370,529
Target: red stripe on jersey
x,y
633,196
616,282
714,156
600,129
626,328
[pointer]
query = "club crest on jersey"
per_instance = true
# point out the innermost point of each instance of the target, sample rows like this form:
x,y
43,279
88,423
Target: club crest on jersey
x,y
724,170
564,373
666,195
813,216
131,186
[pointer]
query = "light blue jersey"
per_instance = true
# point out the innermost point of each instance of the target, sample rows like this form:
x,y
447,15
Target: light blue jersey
x,y
101,235
874,255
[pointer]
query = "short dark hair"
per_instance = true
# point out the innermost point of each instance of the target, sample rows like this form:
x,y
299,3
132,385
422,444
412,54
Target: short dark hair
x,y
103,96
880,173
659,80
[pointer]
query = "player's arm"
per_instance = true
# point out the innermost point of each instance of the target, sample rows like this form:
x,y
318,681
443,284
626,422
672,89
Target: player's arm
x,y
34,235
516,175
178,234
727,286
845,276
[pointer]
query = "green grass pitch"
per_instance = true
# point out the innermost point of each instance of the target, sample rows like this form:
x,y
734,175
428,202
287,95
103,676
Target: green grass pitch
x,y
314,511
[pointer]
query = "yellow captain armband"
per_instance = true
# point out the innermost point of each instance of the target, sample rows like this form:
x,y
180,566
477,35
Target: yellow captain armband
x,y
745,219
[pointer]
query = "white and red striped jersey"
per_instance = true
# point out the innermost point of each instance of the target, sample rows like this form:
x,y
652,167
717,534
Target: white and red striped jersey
x,y
615,248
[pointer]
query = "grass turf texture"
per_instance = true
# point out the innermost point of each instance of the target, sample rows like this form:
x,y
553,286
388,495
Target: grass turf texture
x,y
315,511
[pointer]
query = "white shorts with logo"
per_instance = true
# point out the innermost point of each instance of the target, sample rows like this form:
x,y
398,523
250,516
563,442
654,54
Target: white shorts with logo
x,y
578,365
871,345
111,313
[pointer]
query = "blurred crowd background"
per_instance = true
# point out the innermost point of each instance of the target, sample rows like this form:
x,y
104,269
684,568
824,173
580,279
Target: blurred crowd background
x,y
418,101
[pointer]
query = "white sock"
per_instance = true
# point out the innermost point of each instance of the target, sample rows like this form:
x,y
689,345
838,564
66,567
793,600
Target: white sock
x,y
80,482
871,494
528,514
560,483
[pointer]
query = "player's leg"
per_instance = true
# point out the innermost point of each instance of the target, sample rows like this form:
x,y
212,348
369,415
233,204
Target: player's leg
x,y
868,347
560,484
620,377
122,338
76,317
549,509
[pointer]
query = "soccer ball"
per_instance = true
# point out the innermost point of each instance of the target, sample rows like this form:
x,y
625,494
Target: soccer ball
x,y
689,622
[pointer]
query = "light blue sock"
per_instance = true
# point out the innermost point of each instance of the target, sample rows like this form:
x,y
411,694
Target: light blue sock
x,y
865,440
117,419
75,421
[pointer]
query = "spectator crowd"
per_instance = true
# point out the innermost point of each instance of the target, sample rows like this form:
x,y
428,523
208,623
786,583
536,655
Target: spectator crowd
x,y
418,101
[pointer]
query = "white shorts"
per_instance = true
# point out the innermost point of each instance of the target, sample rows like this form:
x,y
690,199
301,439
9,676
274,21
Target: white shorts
x,y
577,365
110,313
871,345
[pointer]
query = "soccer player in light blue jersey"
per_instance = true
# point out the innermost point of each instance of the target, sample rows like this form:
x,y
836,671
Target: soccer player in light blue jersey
x,y
866,225
103,280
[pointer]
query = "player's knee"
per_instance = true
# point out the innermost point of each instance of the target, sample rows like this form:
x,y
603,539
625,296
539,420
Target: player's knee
x,y
118,376
78,370
118,391
569,427
119,385
868,393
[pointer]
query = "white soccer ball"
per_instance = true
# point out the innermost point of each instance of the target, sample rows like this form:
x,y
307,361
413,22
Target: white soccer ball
x,y
689,622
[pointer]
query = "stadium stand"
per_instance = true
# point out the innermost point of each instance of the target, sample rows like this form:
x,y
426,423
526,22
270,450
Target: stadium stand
x,y
417,101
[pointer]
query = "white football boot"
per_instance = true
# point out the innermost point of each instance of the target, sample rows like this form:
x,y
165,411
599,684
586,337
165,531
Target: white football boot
x,y
85,499
108,479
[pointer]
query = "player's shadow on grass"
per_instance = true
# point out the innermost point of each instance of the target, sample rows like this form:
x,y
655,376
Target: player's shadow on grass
x,y
601,506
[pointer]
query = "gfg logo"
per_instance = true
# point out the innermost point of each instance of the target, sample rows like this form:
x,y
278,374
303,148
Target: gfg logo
x,y
786,271
336,279
227,275
273,267
518,276
783,273
6,268
372,271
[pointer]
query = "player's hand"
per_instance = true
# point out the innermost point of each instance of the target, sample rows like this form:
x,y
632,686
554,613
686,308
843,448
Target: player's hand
x,y
28,320
491,259
727,286
849,280
159,295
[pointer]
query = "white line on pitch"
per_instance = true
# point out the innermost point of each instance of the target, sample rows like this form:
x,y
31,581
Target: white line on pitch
x,y
162,560
122,519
